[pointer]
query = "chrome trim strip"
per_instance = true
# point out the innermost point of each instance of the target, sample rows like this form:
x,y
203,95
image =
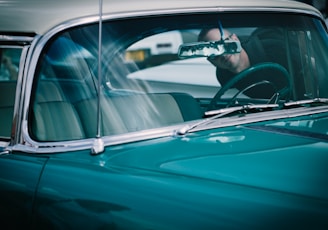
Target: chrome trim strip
x,y
26,82
19,99
14,38
126,15
32,146
27,144
170,131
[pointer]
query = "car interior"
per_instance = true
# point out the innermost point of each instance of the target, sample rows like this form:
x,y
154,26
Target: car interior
x,y
68,89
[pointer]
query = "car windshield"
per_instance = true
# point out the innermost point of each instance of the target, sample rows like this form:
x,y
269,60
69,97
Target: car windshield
x,y
163,71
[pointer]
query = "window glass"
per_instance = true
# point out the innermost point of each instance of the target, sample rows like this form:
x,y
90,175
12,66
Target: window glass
x,y
145,84
8,76
9,63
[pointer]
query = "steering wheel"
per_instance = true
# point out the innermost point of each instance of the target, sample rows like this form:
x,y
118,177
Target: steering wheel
x,y
279,93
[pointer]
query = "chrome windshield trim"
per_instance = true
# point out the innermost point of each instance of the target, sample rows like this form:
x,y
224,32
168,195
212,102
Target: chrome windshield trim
x,y
32,146
125,15
16,38
19,99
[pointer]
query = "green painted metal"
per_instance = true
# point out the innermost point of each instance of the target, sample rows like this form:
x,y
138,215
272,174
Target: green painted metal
x,y
231,178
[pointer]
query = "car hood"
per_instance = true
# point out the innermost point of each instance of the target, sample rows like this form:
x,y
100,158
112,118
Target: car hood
x,y
276,160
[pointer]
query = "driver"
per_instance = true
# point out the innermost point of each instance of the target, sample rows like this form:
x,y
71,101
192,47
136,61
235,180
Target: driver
x,y
264,45
233,63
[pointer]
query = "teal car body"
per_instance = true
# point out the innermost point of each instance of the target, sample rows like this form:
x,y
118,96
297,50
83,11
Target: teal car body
x,y
108,137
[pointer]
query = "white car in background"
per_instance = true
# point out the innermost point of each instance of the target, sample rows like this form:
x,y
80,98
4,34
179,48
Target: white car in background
x,y
199,82
164,43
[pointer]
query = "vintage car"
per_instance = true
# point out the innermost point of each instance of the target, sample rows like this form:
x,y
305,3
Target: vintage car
x,y
126,115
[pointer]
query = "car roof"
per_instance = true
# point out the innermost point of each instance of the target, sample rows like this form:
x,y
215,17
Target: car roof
x,y
39,16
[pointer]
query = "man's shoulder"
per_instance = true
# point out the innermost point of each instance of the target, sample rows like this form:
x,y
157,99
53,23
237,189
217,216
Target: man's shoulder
x,y
267,33
266,44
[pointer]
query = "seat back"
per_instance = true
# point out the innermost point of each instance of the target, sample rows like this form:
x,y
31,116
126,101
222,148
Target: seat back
x,y
48,91
56,121
60,120
189,107
129,113
111,119
146,111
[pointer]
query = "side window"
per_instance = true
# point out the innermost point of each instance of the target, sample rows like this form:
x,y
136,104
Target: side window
x,y
8,77
308,66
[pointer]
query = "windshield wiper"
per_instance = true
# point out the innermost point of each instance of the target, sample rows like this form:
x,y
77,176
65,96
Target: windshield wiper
x,y
245,109
307,102
214,114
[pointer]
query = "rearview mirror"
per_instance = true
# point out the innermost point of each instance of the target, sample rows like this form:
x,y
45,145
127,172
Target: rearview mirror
x,y
209,49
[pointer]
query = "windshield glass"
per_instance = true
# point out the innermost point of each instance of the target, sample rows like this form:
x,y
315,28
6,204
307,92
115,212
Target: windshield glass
x,y
147,83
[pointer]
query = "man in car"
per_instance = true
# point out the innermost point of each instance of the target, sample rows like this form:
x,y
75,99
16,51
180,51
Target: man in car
x,y
264,45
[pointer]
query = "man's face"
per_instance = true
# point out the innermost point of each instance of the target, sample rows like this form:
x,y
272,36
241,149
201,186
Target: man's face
x,y
226,61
